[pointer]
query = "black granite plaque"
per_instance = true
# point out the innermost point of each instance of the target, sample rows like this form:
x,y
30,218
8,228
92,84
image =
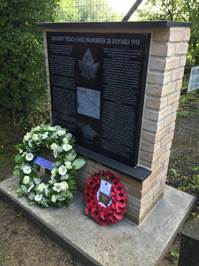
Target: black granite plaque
x,y
97,88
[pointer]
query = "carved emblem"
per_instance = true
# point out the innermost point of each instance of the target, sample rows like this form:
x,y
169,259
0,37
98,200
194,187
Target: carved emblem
x,y
88,66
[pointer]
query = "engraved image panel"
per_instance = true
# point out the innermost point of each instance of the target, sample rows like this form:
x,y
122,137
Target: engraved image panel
x,y
88,102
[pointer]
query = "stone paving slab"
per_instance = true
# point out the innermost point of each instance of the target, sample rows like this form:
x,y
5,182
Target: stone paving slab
x,y
123,244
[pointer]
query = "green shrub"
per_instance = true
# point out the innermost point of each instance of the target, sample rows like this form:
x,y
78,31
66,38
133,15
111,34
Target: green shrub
x,y
22,75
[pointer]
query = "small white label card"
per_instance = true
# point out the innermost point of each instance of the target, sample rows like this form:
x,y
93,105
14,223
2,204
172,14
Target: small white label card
x,y
105,188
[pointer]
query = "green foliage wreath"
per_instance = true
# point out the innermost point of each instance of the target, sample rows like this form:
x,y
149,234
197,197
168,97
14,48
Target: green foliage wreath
x,y
61,183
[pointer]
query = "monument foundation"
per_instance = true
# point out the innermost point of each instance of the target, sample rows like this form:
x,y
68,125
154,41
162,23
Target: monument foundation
x,y
123,243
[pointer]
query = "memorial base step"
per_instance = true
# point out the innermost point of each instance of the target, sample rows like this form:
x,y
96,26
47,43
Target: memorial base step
x,y
121,244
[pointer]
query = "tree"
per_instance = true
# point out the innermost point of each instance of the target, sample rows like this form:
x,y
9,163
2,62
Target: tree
x,y
22,75
99,10
176,10
85,10
67,10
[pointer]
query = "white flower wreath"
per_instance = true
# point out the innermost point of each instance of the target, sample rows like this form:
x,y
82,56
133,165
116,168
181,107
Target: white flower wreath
x,y
58,190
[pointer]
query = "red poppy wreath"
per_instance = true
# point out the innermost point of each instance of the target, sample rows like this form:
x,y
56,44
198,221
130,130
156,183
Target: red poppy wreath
x,y
105,198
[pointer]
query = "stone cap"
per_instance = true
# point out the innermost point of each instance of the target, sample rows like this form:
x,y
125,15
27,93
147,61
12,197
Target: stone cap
x,y
113,25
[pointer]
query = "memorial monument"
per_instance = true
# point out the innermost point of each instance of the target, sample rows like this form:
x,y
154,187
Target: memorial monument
x,y
116,87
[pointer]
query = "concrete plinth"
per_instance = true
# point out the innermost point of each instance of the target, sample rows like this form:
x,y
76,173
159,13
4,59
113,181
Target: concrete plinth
x,y
121,244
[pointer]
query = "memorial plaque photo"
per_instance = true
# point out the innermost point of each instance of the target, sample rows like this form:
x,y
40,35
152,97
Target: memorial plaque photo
x,y
97,83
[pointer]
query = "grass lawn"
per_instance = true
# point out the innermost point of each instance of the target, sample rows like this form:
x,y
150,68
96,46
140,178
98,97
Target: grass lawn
x,y
23,244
